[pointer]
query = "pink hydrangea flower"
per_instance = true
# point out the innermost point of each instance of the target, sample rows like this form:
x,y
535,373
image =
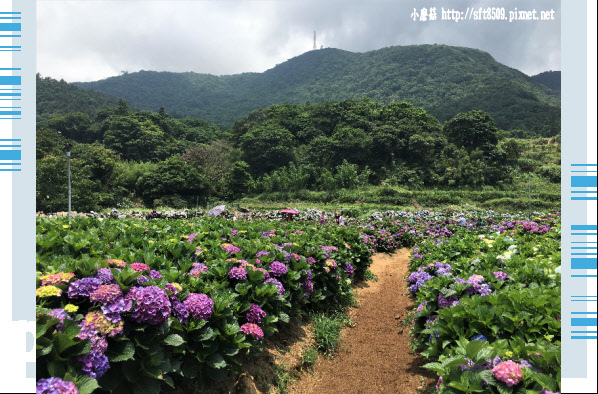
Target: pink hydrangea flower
x,y
508,372
139,267
253,330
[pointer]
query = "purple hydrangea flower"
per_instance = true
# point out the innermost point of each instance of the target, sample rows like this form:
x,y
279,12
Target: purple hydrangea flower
x,y
152,305
113,310
476,279
329,249
464,367
525,363
438,383
94,364
253,330
142,279
230,248
349,269
418,277
197,269
170,287
447,302
261,253
199,305
485,290
309,275
442,272
60,314
237,273
421,306
155,274
99,344
281,289
105,275
500,275
255,314
83,287
180,311
106,294
55,386
308,286
277,268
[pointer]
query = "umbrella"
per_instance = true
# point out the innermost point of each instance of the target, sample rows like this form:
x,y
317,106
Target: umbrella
x,y
291,211
216,211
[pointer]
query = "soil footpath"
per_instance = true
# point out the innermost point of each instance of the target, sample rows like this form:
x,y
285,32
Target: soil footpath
x,y
375,356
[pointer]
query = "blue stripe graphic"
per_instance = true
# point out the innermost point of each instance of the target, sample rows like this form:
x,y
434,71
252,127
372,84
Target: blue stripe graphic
x,y
583,181
10,80
10,27
584,227
583,322
10,154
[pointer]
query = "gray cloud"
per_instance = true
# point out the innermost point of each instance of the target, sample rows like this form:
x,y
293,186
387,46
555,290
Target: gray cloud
x,y
90,40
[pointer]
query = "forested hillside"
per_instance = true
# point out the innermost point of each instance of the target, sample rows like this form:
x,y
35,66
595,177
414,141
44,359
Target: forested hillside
x,y
122,157
551,79
444,80
59,97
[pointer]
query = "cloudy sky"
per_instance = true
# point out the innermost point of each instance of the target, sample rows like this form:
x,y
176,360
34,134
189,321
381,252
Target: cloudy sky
x,y
87,40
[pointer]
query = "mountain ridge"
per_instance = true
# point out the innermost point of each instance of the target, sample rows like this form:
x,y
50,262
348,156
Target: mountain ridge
x,y
442,79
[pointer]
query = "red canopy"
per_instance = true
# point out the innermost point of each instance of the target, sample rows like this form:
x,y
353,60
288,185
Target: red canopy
x,y
291,211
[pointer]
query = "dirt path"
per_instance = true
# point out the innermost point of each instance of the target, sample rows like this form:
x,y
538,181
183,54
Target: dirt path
x,y
375,357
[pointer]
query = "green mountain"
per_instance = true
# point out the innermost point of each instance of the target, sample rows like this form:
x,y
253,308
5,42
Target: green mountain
x,y
444,80
551,79
59,97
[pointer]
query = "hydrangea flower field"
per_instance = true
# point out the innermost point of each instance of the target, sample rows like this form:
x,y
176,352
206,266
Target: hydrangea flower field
x,y
143,305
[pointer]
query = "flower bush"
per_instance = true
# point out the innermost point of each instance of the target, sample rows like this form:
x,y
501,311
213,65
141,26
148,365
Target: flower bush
x,y
140,306
487,308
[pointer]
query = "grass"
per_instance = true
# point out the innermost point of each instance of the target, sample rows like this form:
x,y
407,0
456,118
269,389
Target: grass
x,y
327,331
283,377
308,357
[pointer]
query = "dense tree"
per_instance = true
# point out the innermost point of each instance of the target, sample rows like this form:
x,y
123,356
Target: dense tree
x,y
267,147
135,140
472,130
213,162
75,126
241,180
171,177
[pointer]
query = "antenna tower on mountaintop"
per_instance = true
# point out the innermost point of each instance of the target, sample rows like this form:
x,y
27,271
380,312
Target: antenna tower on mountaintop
x,y
314,40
